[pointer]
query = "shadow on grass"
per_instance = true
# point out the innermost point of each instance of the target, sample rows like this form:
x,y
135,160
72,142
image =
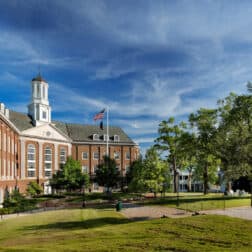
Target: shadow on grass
x,y
85,224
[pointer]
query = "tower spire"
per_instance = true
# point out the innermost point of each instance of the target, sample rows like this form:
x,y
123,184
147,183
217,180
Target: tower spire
x,y
39,108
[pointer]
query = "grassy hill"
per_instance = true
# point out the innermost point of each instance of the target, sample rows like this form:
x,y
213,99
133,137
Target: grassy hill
x,y
107,230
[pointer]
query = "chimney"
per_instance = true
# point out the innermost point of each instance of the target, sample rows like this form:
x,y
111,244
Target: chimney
x,y
2,108
7,113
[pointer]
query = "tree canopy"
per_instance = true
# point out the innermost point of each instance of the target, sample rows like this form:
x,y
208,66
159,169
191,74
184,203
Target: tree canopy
x,y
107,173
70,177
150,174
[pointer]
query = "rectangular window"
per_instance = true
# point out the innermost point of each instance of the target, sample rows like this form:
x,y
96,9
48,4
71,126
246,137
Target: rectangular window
x,y
43,92
62,155
105,137
38,91
96,155
116,138
84,155
116,155
95,168
85,169
31,161
44,114
127,155
127,168
48,169
48,161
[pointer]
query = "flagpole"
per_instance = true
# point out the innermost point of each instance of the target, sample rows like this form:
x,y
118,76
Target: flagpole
x,y
107,149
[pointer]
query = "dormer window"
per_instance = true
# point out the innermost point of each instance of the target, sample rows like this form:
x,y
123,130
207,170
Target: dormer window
x,y
116,138
105,137
95,137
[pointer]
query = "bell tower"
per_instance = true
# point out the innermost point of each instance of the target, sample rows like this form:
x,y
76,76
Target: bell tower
x,y
39,108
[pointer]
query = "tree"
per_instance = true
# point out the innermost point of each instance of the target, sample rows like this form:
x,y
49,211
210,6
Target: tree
x,y
205,123
155,172
150,174
235,131
107,173
70,177
170,141
136,176
34,189
249,86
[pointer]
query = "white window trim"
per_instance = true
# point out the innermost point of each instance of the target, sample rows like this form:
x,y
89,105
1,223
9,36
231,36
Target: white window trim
x,y
84,158
31,161
96,137
48,162
116,155
116,138
63,149
94,155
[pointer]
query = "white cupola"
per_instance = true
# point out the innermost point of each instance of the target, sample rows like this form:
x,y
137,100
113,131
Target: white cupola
x,y
39,108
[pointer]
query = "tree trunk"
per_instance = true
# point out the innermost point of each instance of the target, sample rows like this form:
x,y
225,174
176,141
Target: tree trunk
x,y
175,181
189,189
205,178
175,175
229,186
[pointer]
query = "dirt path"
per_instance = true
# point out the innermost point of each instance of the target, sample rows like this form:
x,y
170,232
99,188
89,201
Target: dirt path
x,y
239,212
137,212
133,211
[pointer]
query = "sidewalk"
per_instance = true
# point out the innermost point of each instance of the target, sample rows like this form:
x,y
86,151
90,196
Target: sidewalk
x,y
239,212
136,212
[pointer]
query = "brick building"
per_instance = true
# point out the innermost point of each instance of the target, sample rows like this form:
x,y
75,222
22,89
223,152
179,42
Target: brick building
x,y
33,147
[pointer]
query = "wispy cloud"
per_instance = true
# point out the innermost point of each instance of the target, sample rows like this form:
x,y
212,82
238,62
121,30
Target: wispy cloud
x,y
146,60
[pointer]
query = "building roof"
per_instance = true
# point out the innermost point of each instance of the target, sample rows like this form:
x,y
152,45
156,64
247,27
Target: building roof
x,y
77,132
20,120
38,78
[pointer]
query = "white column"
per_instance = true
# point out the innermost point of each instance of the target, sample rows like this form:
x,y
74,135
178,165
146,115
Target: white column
x,y
56,158
23,155
1,196
40,161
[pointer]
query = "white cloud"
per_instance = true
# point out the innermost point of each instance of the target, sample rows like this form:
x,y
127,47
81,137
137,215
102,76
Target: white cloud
x,y
144,140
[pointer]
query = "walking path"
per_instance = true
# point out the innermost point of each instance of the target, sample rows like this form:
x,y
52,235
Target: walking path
x,y
239,212
136,212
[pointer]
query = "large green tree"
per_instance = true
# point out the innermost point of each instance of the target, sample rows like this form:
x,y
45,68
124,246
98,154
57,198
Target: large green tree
x,y
156,173
204,122
135,175
70,177
107,173
235,136
170,140
149,174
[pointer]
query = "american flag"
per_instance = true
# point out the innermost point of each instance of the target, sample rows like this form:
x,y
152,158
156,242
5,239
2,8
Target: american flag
x,y
99,115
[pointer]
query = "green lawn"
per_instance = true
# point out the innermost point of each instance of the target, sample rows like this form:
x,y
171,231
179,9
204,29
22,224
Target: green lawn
x,y
201,202
107,230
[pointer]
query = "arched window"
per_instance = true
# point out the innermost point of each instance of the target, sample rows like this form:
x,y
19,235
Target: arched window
x,y
48,161
31,160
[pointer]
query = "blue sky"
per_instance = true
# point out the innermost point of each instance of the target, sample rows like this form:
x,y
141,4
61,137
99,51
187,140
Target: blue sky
x,y
146,60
